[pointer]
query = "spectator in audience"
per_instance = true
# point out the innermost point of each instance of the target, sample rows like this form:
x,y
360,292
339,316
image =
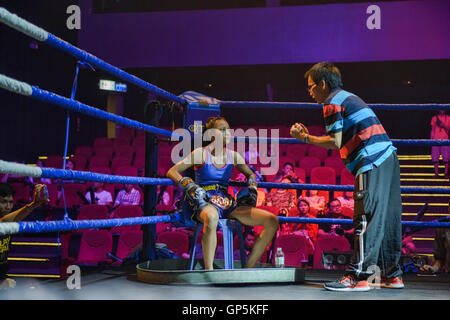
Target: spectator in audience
x,y
249,240
335,212
287,171
128,196
101,196
315,201
282,199
6,204
307,229
441,252
347,200
440,127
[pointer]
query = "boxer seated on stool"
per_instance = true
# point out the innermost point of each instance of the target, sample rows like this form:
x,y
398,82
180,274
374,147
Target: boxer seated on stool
x,y
208,196
6,204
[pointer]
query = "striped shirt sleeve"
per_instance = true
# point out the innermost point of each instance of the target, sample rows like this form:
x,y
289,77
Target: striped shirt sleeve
x,y
332,114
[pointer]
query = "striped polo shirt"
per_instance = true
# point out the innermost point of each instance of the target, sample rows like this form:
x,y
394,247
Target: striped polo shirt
x,y
365,143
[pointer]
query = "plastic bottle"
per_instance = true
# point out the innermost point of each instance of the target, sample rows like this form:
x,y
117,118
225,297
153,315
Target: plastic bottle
x,y
279,258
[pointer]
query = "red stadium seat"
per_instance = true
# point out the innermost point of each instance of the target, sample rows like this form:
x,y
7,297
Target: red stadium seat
x,y
93,212
308,163
336,163
98,161
127,242
74,194
54,161
347,178
94,248
318,152
328,243
176,241
85,151
102,142
295,249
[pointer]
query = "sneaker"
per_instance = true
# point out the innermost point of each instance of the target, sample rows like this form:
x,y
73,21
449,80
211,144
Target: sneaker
x,y
392,283
348,283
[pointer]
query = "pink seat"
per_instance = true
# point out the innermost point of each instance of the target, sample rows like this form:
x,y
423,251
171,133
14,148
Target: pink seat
x,y
347,178
176,241
80,162
316,130
98,161
328,243
323,175
127,170
93,212
54,161
308,163
106,152
128,240
126,132
120,161
73,193
336,163
102,142
301,174
85,151
120,142
94,248
297,151
335,154
123,150
315,151
139,162
22,192
295,248
128,211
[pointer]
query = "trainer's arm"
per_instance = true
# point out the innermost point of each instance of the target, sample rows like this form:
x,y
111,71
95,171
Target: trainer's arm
x,y
331,141
39,198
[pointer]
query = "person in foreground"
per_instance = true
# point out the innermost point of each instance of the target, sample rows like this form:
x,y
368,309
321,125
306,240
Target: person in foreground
x,y
6,204
354,129
208,196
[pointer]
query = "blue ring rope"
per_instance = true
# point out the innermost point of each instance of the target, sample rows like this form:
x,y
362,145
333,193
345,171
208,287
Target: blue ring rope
x,y
53,173
305,105
428,224
396,142
76,106
68,224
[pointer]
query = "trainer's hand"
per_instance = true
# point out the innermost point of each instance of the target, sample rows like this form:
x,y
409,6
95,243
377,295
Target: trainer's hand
x,y
299,131
40,195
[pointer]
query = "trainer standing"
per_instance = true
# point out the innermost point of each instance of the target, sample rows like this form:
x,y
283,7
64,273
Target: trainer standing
x,y
354,129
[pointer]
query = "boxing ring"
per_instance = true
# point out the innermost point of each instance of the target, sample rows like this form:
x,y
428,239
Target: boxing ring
x,y
154,271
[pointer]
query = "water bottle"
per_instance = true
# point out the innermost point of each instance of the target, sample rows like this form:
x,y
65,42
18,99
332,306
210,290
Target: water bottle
x,y
279,258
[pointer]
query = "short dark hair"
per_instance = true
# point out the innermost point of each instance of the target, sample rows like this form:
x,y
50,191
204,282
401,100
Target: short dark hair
x,y
289,163
327,72
6,190
333,200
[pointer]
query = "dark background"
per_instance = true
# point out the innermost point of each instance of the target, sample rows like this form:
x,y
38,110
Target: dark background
x,y
29,128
